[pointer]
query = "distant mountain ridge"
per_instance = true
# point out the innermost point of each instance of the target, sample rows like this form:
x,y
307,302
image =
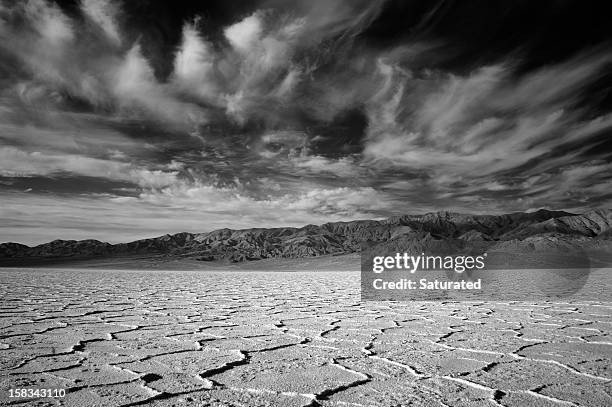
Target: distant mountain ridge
x,y
542,228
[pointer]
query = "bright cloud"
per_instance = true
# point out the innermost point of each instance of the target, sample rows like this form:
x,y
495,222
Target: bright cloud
x,y
18,163
104,14
287,113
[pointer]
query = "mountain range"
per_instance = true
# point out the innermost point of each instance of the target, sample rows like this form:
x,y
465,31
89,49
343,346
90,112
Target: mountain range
x,y
437,232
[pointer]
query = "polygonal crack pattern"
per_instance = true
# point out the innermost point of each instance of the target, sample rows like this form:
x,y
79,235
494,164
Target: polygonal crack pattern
x,y
127,338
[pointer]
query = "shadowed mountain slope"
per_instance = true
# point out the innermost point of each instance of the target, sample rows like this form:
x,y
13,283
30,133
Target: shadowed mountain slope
x,y
515,231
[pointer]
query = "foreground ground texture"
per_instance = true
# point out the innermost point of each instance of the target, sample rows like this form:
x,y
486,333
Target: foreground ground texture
x,y
125,338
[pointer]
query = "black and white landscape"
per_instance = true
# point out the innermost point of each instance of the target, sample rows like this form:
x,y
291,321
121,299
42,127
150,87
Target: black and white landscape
x,y
517,234
187,189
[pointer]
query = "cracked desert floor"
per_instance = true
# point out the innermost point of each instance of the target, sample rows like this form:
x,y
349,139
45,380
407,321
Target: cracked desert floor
x,y
125,338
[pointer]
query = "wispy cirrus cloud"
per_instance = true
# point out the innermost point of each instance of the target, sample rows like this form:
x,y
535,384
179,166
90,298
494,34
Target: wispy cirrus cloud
x,y
489,127
259,64
104,14
288,113
18,163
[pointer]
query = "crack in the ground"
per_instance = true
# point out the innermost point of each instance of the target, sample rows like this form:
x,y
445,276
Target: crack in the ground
x,y
328,393
308,322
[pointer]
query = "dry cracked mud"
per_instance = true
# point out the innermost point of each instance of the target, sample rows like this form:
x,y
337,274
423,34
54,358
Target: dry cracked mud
x,y
128,338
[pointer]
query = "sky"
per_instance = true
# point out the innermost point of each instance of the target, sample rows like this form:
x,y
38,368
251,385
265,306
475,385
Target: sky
x,y
122,120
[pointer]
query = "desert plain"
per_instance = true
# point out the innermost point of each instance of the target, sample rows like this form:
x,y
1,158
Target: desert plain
x,y
257,338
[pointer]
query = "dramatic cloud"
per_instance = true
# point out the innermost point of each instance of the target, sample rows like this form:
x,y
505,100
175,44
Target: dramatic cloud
x,y
194,64
103,13
288,113
17,163
489,125
245,34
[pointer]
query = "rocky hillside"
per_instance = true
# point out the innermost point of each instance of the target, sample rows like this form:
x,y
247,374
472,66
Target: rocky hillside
x,y
515,231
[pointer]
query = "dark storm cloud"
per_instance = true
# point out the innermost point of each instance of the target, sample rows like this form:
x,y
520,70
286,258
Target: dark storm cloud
x,y
191,116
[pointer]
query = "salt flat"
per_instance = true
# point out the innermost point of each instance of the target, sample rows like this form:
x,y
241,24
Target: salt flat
x,y
123,338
